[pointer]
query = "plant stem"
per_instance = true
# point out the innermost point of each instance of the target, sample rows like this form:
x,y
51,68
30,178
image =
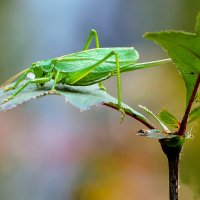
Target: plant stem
x,y
173,154
183,124
147,124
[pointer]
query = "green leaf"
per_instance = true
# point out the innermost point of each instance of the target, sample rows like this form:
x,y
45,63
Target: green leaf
x,y
194,114
169,119
82,97
183,48
156,118
196,99
155,134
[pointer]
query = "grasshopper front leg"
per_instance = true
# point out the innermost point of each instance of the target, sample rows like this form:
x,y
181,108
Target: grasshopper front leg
x,y
21,78
37,80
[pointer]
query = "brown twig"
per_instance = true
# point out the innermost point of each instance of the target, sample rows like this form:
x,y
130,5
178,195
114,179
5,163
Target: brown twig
x,y
183,124
173,154
147,124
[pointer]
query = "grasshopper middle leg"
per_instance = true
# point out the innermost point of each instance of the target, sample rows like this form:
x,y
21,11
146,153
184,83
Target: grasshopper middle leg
x,y
93,34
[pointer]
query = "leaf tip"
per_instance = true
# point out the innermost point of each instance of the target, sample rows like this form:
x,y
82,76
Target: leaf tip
x,y
149,35
197,27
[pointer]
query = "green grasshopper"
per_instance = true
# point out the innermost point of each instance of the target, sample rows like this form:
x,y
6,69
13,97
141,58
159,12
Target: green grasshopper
x,y
83,68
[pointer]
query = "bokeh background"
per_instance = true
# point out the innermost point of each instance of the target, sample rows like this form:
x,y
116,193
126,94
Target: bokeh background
x,y
50,150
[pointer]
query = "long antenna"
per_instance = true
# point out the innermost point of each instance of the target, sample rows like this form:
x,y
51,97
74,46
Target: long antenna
x,y
13,78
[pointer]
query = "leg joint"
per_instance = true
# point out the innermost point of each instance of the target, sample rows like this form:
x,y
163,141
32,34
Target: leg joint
x,y
93,32
113,52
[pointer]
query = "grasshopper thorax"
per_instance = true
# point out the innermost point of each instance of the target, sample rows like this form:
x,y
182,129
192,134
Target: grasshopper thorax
x,y
45,65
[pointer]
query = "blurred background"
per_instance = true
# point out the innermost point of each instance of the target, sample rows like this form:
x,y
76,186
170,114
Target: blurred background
x,y
50,150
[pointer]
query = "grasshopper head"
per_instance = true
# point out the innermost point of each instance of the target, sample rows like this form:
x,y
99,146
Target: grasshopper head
x,y
44,65
37,70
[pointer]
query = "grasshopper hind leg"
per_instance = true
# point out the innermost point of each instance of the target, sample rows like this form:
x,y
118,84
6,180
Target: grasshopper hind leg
x,y
119,86
76,76
93,34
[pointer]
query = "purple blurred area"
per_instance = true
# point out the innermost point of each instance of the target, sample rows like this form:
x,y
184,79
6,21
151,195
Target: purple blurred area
x,y
50,150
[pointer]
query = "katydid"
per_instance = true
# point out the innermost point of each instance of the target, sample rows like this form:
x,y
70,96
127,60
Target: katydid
x,y
83,68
